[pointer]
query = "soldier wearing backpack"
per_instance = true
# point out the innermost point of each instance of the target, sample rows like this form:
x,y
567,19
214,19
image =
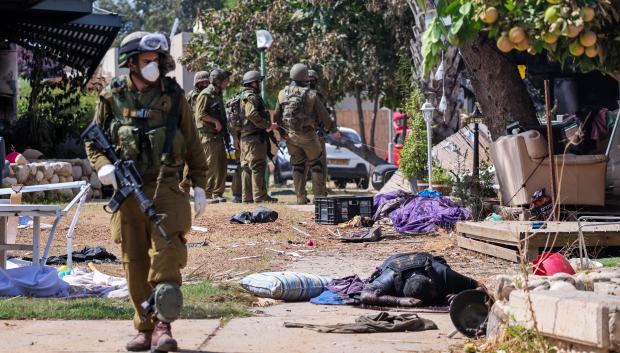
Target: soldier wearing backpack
x,y
249,117
299,112
322,129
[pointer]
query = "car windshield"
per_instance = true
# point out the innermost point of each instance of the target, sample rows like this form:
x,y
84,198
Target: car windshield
x,y
351,136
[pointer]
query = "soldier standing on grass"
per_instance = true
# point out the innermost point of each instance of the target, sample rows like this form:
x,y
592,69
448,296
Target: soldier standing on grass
x,y
213,128
299,112
134,111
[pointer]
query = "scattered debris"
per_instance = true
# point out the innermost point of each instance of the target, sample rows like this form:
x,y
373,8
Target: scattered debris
x,y
200,229
260,215
301,231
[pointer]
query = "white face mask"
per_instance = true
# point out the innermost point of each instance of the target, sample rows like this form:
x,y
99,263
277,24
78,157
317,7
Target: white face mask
x,y
150,72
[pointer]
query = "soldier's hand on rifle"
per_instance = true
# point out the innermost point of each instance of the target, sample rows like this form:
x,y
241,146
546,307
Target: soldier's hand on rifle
x,y
106,175
200,201
337,134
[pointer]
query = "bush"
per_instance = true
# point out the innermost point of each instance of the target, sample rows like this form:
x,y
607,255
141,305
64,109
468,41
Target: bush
x,y
413,156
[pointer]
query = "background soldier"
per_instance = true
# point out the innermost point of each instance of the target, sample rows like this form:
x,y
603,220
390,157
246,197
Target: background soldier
x,y
134,111
299,111
201,81
322,128
254,140
213,128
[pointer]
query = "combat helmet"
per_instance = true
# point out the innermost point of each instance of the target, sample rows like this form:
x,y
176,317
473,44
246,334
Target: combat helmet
x,y
299,72
200,77
217,76
252,76
141,42
313,74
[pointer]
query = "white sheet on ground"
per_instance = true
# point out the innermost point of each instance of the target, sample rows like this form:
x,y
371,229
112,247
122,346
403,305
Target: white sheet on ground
x,y
85,283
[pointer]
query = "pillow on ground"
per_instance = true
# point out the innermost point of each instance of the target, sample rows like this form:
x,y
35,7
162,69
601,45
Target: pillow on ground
x,y
288,286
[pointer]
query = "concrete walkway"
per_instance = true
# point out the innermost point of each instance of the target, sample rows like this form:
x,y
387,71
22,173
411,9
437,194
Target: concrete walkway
x,y
263,333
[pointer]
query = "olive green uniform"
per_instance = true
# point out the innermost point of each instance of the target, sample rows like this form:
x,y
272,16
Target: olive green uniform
x,y
236,187
147,258
211,102
191,99
322,128
302,140
254,145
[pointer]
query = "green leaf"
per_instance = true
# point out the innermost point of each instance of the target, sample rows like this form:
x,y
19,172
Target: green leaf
x,y
456,26
451,8
465,9
510,5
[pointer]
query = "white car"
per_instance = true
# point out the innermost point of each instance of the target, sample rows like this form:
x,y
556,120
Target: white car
x,y
343,166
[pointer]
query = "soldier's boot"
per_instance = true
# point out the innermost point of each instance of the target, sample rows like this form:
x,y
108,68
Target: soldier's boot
x,y
237,199
162,340
142,342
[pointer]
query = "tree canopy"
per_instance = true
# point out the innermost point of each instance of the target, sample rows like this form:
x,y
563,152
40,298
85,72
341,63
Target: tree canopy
x,y
582,33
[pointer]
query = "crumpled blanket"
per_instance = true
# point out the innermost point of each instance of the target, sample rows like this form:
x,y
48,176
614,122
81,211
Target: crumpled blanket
x,y
381,322
260,215
96,254
346,286
411,214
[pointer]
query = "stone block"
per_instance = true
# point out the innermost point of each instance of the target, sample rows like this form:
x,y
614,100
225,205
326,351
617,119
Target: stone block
x,y
54,179
39,177
64,169
607,288
22,172
65,179
87,169
48,171
94,181
8,182
581,317
76,172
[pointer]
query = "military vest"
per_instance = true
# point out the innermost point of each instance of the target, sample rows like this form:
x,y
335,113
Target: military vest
x,y
403,263
138,129
248,127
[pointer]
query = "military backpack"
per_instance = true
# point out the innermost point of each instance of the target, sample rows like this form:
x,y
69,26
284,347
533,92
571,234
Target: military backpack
x,y
235,113
293,115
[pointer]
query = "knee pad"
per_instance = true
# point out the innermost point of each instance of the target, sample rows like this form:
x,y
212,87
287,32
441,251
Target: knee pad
x,y
168,301
317,167
299,168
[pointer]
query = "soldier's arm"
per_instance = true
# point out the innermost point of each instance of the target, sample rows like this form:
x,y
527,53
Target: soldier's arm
x,y
323,115
195,158
277,114
96,157
202,110
253,114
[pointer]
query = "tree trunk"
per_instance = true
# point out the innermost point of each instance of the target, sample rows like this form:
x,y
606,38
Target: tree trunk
x,y
360,117
499,89
373,127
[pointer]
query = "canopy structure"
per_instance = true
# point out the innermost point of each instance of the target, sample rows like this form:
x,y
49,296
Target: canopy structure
x,y
67,29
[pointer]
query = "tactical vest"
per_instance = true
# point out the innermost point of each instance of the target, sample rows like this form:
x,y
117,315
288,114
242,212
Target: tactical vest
x,y
235,112
294,116
139,132
403,263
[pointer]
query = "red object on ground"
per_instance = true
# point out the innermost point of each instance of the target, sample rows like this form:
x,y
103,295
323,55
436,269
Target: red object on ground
x,y
310,243
12,156
548,264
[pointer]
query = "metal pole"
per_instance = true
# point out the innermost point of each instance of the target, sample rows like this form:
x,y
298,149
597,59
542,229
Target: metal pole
x,y
262,72
476,167
390,137
550,147
429,148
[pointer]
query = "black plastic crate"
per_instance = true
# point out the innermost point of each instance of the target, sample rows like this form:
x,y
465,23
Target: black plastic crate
x,y
335,210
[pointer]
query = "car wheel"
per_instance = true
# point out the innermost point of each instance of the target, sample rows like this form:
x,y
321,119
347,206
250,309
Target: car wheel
x,y
363,184
341,184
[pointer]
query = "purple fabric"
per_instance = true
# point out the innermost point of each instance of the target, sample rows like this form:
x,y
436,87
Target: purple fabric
x,y
388,202
424,214
346,286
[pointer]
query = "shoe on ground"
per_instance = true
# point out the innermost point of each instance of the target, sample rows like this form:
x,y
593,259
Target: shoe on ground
x,y
212,200
237,199
162,340
140,343
220,199
248,201
269,199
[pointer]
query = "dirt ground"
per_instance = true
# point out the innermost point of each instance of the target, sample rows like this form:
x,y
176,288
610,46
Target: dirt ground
x,y
235,250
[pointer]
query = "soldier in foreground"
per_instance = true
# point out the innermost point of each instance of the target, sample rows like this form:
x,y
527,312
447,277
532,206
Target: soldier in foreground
x,y
254,140
149,123
298,114
212,125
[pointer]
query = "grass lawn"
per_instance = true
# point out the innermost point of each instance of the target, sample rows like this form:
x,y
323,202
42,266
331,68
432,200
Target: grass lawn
x,y
201,301
609,262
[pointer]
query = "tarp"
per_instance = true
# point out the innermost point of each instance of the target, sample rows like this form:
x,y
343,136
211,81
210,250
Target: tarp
x,y
413,214
35,281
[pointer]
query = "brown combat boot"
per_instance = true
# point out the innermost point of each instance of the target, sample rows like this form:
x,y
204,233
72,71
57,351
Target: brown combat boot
x,y
162,340
142,342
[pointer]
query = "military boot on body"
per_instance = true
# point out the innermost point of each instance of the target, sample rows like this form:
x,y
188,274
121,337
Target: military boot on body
x,y
142,342
162,340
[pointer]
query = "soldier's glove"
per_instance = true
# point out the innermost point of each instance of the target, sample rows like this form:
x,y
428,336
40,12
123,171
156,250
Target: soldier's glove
x,y
200,201
106,175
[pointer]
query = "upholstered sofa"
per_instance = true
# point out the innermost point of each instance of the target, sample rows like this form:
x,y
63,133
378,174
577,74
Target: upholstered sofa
x,y
521,160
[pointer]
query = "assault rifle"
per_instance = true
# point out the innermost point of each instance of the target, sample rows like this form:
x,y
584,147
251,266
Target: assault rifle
x,y
128,178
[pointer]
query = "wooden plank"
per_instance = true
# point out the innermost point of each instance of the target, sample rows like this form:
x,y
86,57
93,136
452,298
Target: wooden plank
x,y
487,248
491,230
591,239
